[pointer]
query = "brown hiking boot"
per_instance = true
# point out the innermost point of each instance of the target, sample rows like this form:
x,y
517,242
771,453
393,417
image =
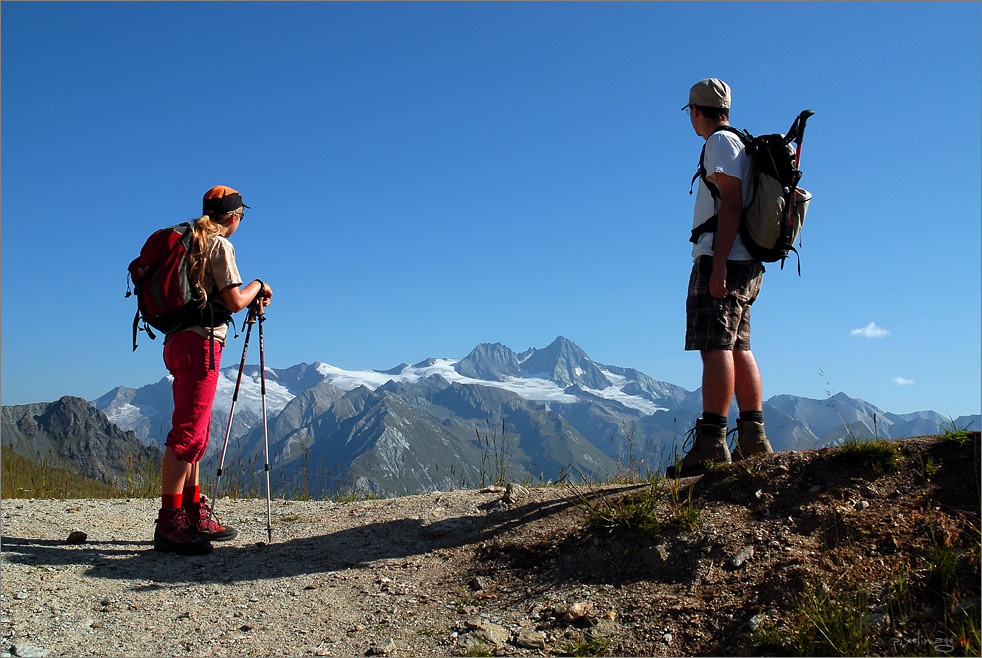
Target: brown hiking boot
x,y
174,534
709,446
205,524
751,440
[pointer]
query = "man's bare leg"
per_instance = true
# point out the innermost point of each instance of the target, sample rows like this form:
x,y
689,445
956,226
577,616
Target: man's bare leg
x,y
718,381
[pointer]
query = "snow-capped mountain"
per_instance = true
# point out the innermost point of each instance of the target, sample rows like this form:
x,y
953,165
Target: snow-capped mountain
x,y
541,414
147,410
497,366
563,374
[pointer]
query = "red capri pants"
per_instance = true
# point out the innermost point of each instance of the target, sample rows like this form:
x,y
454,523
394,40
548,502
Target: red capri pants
x,y
186,355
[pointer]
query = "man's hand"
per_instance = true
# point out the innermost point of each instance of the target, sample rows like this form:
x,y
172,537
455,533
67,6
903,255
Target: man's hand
x,y
717,282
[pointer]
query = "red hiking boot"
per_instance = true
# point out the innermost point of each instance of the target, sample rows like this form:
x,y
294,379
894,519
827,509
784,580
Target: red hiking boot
x,y
174,534
205,524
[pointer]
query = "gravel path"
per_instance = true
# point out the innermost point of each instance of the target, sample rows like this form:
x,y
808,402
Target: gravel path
x,y
338,579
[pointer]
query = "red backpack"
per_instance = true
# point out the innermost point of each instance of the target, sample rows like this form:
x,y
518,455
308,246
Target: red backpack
x,y
166,299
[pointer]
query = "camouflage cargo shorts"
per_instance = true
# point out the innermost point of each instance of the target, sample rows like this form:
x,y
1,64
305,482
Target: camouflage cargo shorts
x,y
721,324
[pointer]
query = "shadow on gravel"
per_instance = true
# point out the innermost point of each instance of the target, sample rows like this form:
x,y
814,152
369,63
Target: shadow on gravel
x,y
58,553
230,563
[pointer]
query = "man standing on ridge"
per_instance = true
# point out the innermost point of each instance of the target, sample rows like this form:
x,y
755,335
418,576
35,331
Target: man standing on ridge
x,y
724,283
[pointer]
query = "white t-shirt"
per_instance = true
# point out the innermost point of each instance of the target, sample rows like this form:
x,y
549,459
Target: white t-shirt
x,y
725,154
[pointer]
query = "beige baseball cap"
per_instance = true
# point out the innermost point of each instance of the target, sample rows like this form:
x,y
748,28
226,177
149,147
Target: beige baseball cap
x,y
710,92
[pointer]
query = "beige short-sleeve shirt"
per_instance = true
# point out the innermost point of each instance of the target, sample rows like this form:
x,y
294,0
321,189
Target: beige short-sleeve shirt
x,y
220,273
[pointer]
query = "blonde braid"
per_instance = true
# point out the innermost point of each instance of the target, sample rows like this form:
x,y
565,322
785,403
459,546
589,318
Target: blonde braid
x,y
204,230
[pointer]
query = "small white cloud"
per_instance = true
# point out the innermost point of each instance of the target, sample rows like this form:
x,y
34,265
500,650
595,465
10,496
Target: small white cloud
x,y
901,381
870,331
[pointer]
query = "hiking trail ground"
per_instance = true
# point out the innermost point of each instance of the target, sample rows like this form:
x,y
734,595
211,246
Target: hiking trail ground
x,y
507,571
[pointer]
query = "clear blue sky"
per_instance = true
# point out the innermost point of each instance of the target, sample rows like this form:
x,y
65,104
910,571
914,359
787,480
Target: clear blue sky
x,y
426,177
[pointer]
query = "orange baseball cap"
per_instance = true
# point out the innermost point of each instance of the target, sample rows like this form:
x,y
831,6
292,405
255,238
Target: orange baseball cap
x,y
220,200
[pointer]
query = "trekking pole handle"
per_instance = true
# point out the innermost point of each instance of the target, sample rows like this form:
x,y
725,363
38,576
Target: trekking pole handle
x,y
258,301
803,118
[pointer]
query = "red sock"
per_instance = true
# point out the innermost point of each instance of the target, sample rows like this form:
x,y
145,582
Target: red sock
x,y
192,495
170,501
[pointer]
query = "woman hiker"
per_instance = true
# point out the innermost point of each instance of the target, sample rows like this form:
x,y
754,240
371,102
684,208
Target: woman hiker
x,y
193,356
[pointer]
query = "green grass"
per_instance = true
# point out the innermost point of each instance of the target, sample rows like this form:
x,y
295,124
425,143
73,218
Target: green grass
x,y
596,646
826,623
930,604
931,608
466,600
951,433
941,580
287,519
682,512
649,510
832,623
951,577
21,477
494,466
631,512
878,455
771,640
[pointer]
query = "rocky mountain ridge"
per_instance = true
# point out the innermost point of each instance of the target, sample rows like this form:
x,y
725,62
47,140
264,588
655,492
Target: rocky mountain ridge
x,y
72,434
536,416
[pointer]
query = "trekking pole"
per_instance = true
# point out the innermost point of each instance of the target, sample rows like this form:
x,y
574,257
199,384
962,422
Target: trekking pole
x,y
250,320
262,378
796,134
799,134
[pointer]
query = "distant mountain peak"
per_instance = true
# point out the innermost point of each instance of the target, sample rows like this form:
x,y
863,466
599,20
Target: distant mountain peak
x,y
398,370
490,361
77,436
564,363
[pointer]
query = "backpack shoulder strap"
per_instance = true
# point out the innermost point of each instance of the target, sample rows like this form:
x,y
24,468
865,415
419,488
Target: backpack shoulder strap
x,y
744,136
712,224
187,234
